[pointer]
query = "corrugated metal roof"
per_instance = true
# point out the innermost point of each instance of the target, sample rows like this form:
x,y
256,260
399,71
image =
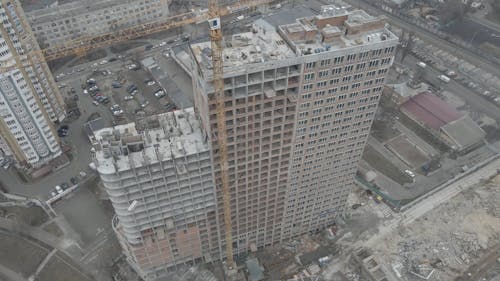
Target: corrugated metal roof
x,y
431,110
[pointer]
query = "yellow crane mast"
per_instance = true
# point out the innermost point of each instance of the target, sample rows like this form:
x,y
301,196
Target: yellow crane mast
x,y
218,83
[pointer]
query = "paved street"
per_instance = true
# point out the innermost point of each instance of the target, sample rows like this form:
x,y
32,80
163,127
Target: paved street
x,y
476,102
432,39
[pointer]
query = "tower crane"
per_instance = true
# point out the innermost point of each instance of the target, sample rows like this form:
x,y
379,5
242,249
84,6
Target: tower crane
x,y
218,83
84,44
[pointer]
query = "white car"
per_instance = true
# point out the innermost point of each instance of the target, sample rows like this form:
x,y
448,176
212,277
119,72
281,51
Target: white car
x,y
162,44
132,66
160,94
128,97
103,62
151,83
444,78
134,92
145,104
410,174
96,103
59,189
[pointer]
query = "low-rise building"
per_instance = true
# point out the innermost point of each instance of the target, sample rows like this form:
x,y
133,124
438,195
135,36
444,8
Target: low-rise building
x,y
455,129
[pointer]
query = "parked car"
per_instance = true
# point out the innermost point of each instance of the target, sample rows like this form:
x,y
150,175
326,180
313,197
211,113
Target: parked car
x,y
116,84
73,181
444,78
134,92
63,131
64,186
159,93
410,174
91,81
95,102
131,88
145,104
59,189
128,97
150,82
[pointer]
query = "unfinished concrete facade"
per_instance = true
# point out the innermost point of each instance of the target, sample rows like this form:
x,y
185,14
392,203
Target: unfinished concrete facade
x,y
299,106
62,23
158,175
29,98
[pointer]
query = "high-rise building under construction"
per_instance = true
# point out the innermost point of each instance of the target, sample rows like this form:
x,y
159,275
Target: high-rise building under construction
x,y
299,102
300,99
29,98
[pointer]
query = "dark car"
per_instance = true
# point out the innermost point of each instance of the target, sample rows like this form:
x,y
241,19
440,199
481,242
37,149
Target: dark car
x,y
131,88
64,186
73,181
116,84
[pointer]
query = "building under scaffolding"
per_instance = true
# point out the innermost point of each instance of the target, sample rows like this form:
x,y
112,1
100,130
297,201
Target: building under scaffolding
x,y
158,176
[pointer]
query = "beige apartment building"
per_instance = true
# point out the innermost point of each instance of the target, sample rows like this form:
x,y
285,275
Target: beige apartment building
x,y
300,100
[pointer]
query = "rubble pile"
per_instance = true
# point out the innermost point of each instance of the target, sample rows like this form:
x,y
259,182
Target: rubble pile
x,y
448,241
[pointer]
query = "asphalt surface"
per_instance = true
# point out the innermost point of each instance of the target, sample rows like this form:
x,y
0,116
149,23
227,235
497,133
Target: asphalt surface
x,y
474,32
476,102
432,38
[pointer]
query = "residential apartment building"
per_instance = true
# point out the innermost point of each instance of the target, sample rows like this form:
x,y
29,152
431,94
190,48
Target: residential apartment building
x,y
345,57
300,99
158,175
58,24
29,98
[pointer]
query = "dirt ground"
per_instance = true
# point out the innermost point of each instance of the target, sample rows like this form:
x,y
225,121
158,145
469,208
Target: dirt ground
x,y
34,216
57,270
450,239
386,167
52,228
408,152
20,255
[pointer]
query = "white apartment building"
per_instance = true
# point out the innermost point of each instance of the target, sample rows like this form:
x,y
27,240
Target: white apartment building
x,y
29,98
158,175
59,24
300,100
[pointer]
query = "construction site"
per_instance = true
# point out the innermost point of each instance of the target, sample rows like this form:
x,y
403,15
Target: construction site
x,y
283,140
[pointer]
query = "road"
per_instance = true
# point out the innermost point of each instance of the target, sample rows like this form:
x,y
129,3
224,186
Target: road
x,y
432,38
476,33
475,101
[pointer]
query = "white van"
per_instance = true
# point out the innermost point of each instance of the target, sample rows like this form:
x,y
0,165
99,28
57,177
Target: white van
x,y
444,78
422,64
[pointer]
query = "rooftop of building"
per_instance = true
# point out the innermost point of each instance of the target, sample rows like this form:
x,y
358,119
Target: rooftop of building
x,y
165,136
430,110
464,132
336,27
262,44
